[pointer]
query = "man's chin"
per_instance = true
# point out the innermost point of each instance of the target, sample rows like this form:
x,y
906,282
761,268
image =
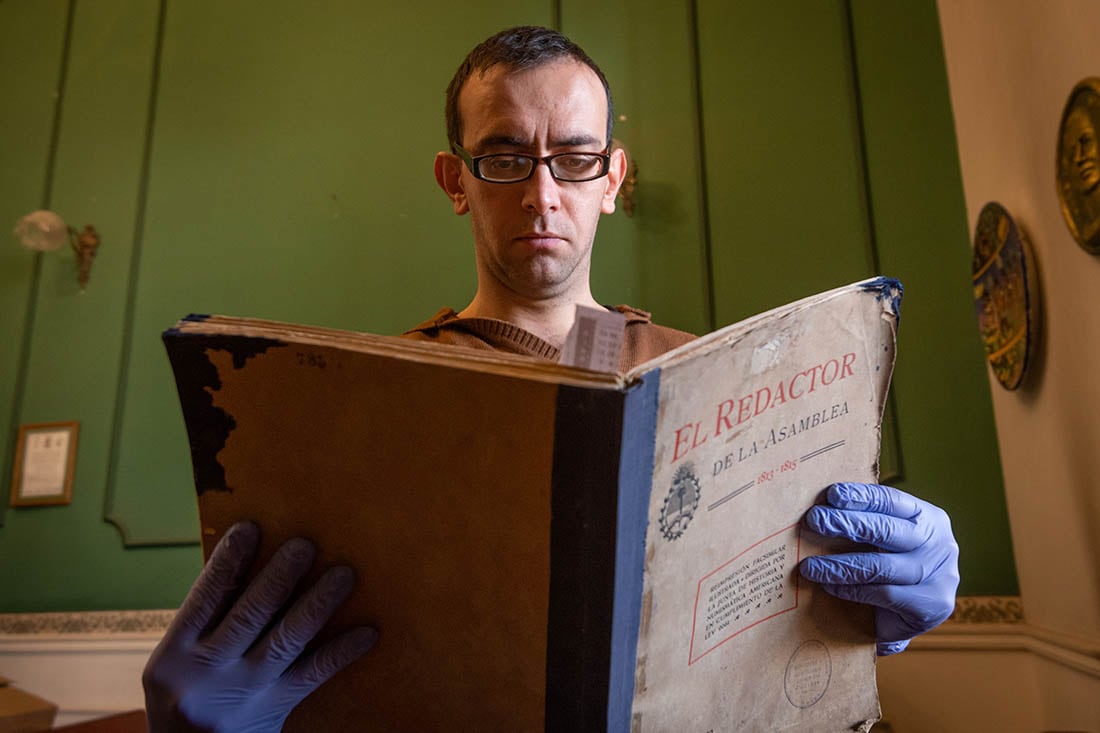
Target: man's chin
x,y
541,283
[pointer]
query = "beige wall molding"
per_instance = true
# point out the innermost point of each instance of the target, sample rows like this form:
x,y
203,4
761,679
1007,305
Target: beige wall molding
x,y
968,610
997,623
988,610
90,663
1081,654
86,622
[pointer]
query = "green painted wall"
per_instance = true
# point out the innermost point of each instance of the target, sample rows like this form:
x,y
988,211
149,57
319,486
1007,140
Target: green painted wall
x,y
941,387
62,558
269,159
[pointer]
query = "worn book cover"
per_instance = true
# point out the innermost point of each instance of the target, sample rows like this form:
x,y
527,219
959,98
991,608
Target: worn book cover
x,y
546,547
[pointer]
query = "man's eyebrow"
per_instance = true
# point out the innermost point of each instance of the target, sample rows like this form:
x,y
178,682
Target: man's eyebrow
x,y
577,141
510,141
502,141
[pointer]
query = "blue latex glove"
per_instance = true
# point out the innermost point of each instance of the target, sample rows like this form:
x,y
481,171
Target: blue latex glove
x,y
912,583
224,665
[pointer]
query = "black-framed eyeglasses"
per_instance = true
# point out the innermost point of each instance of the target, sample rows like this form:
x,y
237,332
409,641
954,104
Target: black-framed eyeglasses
x,y
513,167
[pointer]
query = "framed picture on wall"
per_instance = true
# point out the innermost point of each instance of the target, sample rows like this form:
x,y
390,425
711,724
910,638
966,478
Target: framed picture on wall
x,y
45,458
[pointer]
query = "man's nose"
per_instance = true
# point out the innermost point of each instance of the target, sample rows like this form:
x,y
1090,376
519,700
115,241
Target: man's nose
x,y
542,193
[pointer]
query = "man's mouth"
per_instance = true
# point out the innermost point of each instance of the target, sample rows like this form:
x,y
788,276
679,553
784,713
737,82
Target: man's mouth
x,y
541,239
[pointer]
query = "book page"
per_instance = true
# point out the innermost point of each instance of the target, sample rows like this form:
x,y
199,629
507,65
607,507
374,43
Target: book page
x,y
748,436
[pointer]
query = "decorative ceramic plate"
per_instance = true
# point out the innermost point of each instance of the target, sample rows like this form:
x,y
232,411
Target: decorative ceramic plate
x,y
1005,294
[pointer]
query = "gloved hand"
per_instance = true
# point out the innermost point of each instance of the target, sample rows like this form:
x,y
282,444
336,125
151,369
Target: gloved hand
x,y
912,583
223,665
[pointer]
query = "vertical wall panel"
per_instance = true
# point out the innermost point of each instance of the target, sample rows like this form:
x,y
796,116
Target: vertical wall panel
x,y
70,558
655,259
785,196
30,71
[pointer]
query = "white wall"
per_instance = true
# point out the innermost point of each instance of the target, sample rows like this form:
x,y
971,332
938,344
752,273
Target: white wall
x,y
997,677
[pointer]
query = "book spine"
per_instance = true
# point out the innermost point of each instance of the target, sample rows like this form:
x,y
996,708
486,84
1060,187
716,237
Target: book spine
x,y
603,463
587,437
635,486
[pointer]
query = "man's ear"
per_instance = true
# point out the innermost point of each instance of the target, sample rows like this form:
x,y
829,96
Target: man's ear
x,y
615,175
448,174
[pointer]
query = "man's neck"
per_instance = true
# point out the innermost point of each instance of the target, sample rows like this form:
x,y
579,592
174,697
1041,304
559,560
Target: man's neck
x,y
549,319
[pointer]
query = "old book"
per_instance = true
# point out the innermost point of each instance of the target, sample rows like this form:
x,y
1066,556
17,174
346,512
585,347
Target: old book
x,y
545,547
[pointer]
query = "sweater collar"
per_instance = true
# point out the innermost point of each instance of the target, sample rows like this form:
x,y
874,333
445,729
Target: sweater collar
x,y
497,333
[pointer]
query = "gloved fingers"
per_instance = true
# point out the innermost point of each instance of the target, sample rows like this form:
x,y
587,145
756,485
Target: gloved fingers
x,y
218,583
902,611
312,671
289,637
886,648
263,599
881,530
857,568
874,498
889,597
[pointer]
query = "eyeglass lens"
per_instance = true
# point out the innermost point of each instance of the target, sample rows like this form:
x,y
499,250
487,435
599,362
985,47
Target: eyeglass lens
x,y
564,167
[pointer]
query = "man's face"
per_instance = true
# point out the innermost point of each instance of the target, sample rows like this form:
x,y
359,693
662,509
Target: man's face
x,y
533,237
1081,141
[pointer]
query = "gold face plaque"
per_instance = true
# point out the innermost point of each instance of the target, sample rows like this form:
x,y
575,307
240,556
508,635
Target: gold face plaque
x,y
1005,294
1079,164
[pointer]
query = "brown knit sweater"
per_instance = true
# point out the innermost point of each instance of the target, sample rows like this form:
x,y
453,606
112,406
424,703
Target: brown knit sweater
x,y
644,339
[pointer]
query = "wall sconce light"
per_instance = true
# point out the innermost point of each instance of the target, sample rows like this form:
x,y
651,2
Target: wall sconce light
x,y
46,231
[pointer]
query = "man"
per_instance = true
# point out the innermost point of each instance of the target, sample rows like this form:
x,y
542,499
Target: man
x,y
529,122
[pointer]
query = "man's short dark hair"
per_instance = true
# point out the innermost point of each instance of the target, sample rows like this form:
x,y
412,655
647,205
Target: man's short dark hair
x,y
522,47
